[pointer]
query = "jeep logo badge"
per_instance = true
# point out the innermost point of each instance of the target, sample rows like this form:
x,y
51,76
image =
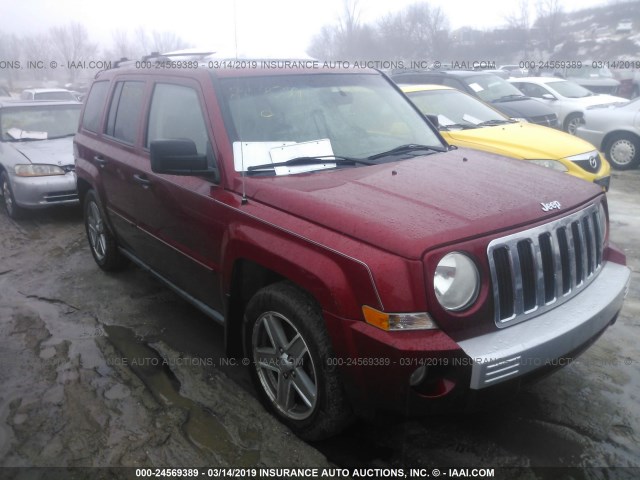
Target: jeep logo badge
x,y
551,206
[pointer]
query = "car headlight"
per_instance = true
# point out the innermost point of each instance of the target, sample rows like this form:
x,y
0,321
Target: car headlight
x,y
456,281
552,164
398,321
37,170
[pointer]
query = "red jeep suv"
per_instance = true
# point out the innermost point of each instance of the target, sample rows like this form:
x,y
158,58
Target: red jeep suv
x,y
355,259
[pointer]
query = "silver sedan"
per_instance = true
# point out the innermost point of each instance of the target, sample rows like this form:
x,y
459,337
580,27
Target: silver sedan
x,y
616,132
36,154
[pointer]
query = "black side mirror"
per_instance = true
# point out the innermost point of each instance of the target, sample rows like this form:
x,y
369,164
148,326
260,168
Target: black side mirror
x,y
179,157
433,119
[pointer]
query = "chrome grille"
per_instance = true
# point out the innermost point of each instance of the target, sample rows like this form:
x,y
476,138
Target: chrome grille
x,y
540,268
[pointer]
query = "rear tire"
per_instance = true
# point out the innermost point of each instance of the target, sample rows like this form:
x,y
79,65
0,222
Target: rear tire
x,y
102,242
623,151
290,356
11,207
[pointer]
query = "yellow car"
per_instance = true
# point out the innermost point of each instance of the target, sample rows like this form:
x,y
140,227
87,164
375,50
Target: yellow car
x,y
465,121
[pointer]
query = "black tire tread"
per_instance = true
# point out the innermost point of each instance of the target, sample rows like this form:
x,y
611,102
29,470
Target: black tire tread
x,y
333,413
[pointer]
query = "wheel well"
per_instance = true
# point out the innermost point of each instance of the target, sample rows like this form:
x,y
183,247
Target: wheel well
x,y
607,138
572,114
83,188
246,279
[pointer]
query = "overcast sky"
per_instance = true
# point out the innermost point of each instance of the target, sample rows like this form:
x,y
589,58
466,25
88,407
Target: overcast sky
x,y
264,27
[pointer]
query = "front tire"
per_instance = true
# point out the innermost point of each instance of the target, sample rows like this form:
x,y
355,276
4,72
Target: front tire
x,y
289,351
11,207
102,242
623,151
573,121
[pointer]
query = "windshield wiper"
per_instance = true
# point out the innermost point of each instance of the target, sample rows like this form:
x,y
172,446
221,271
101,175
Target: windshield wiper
x,y
458,125
489,123
410,147
63,136
513,96
336,159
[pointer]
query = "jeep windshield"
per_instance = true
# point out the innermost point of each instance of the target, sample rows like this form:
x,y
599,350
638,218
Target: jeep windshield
x,y
354,116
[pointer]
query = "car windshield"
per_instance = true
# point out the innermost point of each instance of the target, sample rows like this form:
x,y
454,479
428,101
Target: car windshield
x,y
38,122
455,109
284,117
491,88
570,89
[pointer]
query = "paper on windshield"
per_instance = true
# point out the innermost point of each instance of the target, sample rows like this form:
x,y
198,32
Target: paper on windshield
x,y
315,148
471,119
19,134
476,87
249,154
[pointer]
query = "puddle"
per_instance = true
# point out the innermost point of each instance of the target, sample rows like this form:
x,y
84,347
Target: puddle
x,y
202,428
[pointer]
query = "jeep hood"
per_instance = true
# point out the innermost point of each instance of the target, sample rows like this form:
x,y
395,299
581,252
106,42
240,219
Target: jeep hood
x,y
57,151
409,206
521,140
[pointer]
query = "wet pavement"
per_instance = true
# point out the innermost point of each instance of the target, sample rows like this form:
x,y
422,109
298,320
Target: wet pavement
x,y
115,370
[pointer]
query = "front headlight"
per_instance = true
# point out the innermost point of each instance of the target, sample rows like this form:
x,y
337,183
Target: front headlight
x,y
456,282
552,164
37,170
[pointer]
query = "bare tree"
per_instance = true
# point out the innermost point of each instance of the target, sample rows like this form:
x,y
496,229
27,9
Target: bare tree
x,y
519,16
167,41
519,21
37,48
122,46
72,43
417,32
550,15
346,40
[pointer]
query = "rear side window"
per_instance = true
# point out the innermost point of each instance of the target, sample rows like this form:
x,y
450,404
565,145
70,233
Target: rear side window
x,y
124,112
93,108
176,114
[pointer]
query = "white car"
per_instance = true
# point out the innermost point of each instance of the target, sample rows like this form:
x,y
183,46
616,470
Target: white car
x,y
60,94
616,132
37,169
568,99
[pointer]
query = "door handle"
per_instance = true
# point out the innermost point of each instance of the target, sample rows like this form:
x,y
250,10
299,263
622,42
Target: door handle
x,y
142,180
100,161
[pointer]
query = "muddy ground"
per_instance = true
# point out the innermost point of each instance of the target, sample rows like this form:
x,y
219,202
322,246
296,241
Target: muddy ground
x,y
115,370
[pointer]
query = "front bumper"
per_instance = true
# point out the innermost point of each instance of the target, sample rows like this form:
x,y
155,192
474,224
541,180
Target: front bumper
x,y
377,366
41,192
520,349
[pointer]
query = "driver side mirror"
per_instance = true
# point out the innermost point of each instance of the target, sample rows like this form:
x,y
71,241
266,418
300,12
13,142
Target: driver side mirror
x,y
433,119
548,96
179,157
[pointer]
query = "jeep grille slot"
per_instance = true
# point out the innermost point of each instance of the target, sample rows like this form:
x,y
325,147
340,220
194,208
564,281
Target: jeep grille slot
x,y
540,268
